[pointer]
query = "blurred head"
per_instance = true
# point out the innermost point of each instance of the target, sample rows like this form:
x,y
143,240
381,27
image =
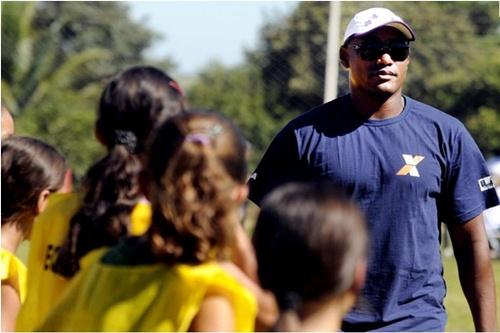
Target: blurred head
x,y
133,103
197,172
7,123
376,51
310,243
31,171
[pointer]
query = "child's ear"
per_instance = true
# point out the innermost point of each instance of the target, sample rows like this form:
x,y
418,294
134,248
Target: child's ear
x,y
241,193
43,198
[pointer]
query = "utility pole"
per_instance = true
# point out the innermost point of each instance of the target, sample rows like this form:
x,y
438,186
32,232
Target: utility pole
x,y
332,52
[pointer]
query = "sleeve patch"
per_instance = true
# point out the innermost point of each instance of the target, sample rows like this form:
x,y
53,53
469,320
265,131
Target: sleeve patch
x,y
486,183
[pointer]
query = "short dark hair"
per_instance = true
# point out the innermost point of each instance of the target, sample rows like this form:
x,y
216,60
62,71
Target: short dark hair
x,y
29,166
308,239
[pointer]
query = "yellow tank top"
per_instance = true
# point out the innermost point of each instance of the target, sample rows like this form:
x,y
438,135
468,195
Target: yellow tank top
x,y
13,272
44,288
154,297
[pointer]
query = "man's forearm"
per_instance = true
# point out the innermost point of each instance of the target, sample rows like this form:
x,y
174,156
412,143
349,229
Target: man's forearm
x,y
476,278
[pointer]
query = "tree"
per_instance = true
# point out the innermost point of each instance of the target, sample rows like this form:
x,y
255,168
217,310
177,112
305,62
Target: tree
x,y
236,93
55,56
454,61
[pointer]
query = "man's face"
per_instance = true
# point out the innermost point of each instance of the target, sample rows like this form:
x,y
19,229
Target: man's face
x,y
378,75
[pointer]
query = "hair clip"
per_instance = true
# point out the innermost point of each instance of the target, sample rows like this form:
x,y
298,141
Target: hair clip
x,y
216,130
200,138
174,85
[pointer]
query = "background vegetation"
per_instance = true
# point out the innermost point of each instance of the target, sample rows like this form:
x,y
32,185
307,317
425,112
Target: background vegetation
x,y
56,57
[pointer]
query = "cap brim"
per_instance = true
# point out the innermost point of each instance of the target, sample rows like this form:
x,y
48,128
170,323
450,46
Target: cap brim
x,y
403,27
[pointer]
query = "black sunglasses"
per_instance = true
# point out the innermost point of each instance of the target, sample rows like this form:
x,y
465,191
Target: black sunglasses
x,y
370,51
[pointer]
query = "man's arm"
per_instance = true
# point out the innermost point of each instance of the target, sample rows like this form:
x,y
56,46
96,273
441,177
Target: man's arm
x,y
472,254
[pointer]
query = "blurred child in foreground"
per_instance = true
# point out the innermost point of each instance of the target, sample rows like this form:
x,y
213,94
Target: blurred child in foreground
x,y
31,171
311,252
110,205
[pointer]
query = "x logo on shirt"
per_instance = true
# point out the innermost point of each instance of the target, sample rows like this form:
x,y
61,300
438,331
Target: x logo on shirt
x,y
410,166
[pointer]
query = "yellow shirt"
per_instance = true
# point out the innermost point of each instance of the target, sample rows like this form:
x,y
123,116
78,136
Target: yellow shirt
x,y
154,297
44,287
13,271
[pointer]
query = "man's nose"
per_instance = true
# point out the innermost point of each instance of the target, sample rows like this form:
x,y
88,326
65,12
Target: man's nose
x,y
385,59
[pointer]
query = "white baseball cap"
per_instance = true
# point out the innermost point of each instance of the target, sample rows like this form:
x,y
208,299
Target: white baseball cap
x,y
374,18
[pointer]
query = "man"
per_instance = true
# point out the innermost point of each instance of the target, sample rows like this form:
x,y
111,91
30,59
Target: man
x,y
410,167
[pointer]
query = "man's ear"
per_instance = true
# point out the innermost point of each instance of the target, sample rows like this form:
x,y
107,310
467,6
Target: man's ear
x,y
43,198
343,56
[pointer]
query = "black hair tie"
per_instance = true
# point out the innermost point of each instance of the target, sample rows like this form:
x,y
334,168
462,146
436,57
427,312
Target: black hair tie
x,y
291,301
126,138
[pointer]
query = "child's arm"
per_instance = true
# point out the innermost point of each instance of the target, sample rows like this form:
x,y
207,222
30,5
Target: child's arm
x,y
10,307
215,315
244,254
267,307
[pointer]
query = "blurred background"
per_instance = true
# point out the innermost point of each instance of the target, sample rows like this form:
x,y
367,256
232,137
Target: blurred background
x,y
260,63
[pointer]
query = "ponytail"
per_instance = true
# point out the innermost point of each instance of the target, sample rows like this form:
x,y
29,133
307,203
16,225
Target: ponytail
x,y
131,106
195,166
112,191
196,201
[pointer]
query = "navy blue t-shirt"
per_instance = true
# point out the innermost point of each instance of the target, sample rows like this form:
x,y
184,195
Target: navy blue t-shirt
x,y
408,173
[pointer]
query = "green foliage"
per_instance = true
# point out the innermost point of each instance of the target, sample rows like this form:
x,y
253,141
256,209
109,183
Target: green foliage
x,y
459,316
292,60
454,61
484,126
236,93
55,56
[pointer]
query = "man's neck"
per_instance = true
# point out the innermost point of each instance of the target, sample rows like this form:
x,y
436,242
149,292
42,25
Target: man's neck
x,y
377,108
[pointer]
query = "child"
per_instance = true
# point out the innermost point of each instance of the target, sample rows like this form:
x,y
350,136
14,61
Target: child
x,y
131,106
31,171
310,243
171,279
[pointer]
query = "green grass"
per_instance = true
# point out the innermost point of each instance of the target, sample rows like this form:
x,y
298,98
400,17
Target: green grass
x,y
459,317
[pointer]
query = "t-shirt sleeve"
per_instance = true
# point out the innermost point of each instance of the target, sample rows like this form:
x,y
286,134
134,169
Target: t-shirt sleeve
x,y
280,164
469,189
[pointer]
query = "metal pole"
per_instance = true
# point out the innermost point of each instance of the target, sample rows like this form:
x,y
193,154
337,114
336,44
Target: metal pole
x,y
332,52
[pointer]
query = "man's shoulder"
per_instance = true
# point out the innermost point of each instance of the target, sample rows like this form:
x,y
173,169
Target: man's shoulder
x,y
319,114
426,113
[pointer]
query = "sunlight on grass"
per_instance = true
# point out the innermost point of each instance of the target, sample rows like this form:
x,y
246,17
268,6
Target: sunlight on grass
x,y
459,317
